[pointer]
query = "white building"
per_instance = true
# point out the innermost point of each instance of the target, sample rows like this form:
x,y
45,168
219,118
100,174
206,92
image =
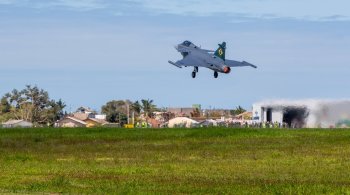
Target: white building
x,y
309,113
182,122
101,116
17,123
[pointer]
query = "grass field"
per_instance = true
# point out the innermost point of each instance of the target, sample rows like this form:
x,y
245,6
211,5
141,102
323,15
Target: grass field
x,y
175,161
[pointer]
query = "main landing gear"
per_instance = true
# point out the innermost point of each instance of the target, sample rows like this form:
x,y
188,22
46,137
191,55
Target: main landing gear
x,y
194,72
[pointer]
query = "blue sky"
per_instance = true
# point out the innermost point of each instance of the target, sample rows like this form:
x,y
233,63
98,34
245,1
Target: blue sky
x,y
88,52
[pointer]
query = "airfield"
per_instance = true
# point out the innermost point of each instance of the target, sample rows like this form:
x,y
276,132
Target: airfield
x,y
175,161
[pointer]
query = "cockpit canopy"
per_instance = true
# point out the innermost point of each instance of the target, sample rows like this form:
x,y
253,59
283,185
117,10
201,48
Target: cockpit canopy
x,y
187,43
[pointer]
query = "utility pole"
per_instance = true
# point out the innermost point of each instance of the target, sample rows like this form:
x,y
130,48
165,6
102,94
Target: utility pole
x,y
127,111
133,117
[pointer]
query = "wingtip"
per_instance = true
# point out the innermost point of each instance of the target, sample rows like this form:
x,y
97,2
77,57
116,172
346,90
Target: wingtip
x,y
252,65
172,63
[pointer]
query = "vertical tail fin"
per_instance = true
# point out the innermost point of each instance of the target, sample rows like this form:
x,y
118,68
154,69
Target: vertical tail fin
x,y
220,52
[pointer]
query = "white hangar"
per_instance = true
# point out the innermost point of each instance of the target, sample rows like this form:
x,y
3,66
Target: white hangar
x,y
309,113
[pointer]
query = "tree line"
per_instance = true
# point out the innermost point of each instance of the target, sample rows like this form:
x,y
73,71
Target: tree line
x,y
34,105
117,111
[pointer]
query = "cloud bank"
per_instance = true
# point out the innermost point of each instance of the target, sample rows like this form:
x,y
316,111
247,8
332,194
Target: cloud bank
x,y
311,10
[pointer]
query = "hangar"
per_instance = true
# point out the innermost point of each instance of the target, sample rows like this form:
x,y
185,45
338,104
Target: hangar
x,y
309,113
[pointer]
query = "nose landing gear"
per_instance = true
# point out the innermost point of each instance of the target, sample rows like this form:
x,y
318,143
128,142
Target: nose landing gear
x,y
216,74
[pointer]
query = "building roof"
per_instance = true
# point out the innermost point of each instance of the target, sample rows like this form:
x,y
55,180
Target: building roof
x,y
12,122
76,120
100,121
81,116
245,114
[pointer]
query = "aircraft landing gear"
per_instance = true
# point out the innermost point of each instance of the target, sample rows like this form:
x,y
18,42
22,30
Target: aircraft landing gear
x,y
195,70
193,74
216,74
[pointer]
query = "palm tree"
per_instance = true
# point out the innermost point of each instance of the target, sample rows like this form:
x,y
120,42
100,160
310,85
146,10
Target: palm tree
x,y
137,107
239,110
148,107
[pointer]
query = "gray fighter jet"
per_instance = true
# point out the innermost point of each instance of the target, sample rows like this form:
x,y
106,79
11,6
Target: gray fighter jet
x,y
214,60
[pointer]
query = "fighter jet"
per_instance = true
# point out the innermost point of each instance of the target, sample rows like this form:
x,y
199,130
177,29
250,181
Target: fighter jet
x,y
214,60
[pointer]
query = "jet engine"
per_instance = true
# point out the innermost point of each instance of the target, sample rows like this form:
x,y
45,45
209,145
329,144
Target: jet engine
x,y
226,69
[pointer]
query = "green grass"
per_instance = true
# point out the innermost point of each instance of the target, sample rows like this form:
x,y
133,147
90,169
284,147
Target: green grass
x,y
175,161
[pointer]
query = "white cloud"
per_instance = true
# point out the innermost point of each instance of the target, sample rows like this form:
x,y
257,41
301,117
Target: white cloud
x,y
312,10
298,9
83,5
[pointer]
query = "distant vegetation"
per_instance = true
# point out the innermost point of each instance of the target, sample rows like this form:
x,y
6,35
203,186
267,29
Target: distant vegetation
x,y
34,105
238,110
117,110
175,161
31,104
